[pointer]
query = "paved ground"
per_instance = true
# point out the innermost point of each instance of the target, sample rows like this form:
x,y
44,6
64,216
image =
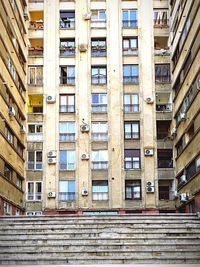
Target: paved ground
x,y
112,265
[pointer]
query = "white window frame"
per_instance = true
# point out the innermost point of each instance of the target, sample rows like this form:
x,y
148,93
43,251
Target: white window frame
x,y
35,196
35,163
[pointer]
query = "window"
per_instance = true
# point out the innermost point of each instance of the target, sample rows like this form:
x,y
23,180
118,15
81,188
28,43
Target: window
x,y
7,208
129,19
9,135
99,75
132,190
67,160
191,170
34,160
99,159
67,131
35,75
163,129
99,131
67,190
99,102
162,73
163,192
11,68
19,181
67,103
131,103
8,172
132,158
98,47
131,130
67,47
130,46
35,128
99,190
130,74
33,213
160,18
34,191
98,19
67,19
20,149
165,158
67,75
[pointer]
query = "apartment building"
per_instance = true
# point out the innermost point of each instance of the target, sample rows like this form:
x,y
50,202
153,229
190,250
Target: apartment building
x,y
13,62
185,42
99,107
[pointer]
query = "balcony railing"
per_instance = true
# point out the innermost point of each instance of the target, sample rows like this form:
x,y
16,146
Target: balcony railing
x,y
35,51
129,23
132,164
36,81
67,108
67,166
162,135
165,163
100,196
67,136
99,107
130,79
131,107
163,79
161,23
32,165
67,51
36,109
99,79
96,165
98,23
161,52
67,24
36,25
99,136
164,107
33,137
34,196
130,51
67,80
67,196
100,52
131,135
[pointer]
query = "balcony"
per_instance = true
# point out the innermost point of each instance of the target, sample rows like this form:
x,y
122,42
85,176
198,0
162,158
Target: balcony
x,y
67,51
166,174
98,23
36,48
99,108
67,137
36,24
130,79
99,136
35,104
163,106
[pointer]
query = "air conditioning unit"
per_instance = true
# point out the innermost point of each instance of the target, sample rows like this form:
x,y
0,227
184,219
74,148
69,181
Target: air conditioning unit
x,y
52,160
11,111
173,131
51,99
87,16
183,178
198,84
163,52
82,47
25,15
51,194
85,156
84,192
183,197
149,100
150,187
148,152
183,116
22,129
84,128
51,154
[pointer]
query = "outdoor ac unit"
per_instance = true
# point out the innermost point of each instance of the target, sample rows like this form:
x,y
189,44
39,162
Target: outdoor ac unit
x,y
183,197
85,156
84,128
148,152
51,99
149,100
183,178
22,129
87,16
198,84
150,187
82,47
173,131
11,111
51,154
163,52
51,194
84,192
25,15
183,116
51,160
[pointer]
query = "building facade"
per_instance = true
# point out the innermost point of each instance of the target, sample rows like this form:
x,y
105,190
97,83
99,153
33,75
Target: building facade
x,y
13,62
99,107
185,42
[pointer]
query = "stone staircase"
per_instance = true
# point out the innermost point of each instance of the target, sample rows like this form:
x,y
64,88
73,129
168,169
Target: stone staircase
x,y
100,239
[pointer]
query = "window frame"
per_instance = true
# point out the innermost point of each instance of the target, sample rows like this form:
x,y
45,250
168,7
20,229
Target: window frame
x,y
132,133
34,196
135,184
